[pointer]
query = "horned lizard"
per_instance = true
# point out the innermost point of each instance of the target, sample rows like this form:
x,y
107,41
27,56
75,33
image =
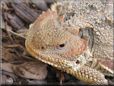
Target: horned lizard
x,y
66,43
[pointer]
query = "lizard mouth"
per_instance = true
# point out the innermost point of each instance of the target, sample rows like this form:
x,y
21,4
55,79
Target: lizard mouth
x,y
57,61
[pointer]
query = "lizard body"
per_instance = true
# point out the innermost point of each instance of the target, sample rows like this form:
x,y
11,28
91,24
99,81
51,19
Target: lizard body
x,y
64,43
50,43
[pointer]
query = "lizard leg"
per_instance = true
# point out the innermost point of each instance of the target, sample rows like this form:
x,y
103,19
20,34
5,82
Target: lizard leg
x,y
104,66
90,76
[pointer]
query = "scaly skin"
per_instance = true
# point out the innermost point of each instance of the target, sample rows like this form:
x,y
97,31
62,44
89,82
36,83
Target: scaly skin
x,y
50,43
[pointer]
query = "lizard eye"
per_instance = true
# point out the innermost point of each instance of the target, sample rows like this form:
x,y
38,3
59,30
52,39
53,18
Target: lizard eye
x,y
61,45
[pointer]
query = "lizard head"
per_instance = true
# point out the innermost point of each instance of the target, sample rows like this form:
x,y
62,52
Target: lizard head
x,y
49,41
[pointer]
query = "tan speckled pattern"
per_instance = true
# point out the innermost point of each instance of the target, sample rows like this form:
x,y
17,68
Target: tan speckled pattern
x,y
43,40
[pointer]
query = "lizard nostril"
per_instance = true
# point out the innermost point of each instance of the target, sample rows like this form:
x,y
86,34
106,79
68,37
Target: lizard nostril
x,y
77,62
42,47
